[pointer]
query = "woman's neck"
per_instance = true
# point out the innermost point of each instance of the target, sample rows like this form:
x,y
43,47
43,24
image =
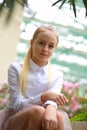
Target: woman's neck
x,y
39,63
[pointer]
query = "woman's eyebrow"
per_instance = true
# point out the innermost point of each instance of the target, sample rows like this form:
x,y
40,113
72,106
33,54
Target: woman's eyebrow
x,y
46,41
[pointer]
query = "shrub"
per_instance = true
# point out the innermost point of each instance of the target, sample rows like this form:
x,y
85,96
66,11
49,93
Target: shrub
x,y
3,94
77,104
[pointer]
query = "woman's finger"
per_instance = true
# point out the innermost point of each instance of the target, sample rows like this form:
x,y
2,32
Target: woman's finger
x,y
62,99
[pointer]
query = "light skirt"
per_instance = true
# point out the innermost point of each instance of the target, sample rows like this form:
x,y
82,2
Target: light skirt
x,y
5,116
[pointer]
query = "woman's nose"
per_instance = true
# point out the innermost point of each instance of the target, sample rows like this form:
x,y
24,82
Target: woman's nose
x,y
45,48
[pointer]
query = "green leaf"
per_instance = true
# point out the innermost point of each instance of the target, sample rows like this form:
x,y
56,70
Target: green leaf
x,y
85,4
63,2
72,3
10,4
56,2
2,5
79,117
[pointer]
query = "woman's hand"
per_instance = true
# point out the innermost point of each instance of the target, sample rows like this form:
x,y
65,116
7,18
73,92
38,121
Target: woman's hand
x,y
60,99
49,119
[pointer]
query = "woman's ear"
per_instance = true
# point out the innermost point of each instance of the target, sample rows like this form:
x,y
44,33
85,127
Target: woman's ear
x,y
31,42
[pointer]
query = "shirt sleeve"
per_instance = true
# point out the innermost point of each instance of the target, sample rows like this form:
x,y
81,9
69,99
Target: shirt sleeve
x,y
57,83
16,100
56,87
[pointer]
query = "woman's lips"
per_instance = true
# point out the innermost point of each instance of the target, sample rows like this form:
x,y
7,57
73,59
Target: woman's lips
x,y
43,54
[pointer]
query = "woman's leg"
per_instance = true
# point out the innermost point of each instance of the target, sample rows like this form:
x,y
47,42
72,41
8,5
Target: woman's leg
x,y
60,121
27,119
63,120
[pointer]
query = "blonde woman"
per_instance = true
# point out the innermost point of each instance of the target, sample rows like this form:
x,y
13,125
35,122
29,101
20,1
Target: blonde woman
x,y
35,87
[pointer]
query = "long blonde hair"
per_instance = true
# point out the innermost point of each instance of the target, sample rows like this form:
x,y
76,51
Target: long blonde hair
x,y
26,64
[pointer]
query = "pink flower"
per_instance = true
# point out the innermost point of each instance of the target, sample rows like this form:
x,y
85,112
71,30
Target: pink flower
x,y
70,91
70,114
75,106
68,85
4,101
4,82
73,98
67,108
77,85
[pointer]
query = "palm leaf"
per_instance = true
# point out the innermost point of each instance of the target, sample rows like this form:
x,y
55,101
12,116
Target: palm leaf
x,y
62,3
72,3
2,5
56,2
85,5
10,4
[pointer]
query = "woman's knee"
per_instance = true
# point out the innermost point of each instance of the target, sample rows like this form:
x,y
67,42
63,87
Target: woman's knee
x,y
59,115
30,115
64,115
36,112
35,116
60,120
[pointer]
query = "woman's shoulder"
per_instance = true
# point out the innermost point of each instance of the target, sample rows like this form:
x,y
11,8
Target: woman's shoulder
x,y
15,66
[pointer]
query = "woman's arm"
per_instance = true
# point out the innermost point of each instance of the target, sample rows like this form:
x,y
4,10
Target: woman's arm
x,y
49,119
16,100
60,99
54,91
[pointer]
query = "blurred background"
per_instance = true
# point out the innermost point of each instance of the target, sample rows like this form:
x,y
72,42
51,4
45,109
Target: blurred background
x,y
71,53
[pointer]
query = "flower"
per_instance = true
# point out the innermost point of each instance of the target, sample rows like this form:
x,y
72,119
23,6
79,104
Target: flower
x,y
4,101
76,103
3,94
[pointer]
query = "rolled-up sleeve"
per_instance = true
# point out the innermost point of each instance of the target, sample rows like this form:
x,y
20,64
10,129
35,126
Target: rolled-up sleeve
x,y
56,87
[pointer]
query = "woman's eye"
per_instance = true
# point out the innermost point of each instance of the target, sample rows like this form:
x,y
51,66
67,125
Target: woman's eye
x,y
51,46
41,43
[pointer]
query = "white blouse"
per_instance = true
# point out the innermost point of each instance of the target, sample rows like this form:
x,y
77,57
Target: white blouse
x,y
37,83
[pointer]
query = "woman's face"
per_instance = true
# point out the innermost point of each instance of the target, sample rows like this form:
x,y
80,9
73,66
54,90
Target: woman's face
x,y
42,47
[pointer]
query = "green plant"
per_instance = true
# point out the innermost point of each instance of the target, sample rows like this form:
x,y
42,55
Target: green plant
x,y
77,106
3,94
72,4
79,117
10,4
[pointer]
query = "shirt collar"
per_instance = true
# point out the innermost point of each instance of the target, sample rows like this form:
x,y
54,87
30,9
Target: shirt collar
x,y
35,67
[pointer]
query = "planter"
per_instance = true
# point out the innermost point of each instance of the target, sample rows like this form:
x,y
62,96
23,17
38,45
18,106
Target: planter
x,y
79,125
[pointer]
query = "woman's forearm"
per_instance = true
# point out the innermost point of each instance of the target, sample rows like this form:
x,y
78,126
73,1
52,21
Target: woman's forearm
x,y
48,95
60,99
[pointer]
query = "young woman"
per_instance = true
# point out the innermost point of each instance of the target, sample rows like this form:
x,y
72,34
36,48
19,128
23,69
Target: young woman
x,y
35,88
